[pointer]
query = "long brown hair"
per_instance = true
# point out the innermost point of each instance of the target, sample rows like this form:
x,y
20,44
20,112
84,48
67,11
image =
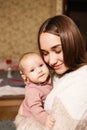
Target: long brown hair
x,y
73,45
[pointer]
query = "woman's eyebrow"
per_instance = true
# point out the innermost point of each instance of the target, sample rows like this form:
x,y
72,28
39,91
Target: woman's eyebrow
x,y
55,46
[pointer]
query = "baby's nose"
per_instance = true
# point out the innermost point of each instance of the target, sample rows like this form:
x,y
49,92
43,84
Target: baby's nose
x,y
39,70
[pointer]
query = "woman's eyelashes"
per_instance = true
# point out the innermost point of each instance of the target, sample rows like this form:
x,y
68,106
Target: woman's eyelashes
x,y
55,50
45,53
58,51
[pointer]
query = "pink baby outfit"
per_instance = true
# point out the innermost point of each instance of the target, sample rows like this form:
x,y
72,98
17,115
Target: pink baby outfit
x,y
33,104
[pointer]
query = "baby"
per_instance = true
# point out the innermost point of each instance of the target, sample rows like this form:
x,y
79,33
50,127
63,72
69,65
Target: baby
x,y
38,85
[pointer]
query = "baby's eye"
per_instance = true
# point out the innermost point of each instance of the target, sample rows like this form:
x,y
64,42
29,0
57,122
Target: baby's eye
x,y
32,70
40,65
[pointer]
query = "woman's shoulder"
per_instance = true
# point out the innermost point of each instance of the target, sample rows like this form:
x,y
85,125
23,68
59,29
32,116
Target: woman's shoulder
x,y
83,67
82,70
80,73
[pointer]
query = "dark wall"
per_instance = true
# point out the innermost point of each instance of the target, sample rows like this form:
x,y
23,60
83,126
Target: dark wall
x,y
77,10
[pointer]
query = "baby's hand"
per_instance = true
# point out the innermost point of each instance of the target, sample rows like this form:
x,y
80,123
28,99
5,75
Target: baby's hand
x,y
50,122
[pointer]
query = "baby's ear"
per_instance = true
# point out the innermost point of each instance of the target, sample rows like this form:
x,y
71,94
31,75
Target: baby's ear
x,y
22,75
26,80
21,72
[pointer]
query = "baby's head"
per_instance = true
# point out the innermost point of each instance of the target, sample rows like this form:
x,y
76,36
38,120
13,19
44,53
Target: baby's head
x,y
32,68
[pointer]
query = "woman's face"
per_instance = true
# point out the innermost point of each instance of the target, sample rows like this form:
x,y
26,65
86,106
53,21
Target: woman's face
x,y
51,49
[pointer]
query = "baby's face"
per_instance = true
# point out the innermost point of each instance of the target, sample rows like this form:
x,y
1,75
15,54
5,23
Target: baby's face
x,y
35,69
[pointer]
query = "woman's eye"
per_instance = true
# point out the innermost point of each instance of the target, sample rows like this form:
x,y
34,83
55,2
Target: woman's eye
x,y
58,51
44,53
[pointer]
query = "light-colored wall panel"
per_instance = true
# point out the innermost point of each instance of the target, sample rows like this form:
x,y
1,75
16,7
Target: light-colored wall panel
x,y
19,24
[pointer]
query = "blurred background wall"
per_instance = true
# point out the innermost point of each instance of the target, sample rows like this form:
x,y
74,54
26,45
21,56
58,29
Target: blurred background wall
x,y
19,24
77,10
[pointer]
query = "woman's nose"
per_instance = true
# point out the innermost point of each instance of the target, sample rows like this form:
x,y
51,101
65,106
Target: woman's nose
x,y
52,59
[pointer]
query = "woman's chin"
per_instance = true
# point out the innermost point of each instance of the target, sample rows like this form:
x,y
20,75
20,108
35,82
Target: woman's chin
x,y
60,72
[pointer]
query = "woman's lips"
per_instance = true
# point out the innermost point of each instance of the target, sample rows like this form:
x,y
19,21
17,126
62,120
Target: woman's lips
x,y
56,67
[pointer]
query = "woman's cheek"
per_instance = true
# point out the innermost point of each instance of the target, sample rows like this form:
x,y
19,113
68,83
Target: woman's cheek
x,y
46,59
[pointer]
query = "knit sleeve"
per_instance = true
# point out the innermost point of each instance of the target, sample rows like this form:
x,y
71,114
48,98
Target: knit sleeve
x,y
36,106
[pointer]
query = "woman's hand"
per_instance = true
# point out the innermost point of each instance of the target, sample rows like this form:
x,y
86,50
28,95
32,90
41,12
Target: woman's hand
x,y
20,111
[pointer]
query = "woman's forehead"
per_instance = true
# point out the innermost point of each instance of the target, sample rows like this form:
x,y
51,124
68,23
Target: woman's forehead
x,y
48,40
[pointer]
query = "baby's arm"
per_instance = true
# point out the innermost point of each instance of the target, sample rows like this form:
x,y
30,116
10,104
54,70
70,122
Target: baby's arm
x,y
49,122
37,110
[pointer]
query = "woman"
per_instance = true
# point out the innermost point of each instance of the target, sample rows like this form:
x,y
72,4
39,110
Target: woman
x,y
63,49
